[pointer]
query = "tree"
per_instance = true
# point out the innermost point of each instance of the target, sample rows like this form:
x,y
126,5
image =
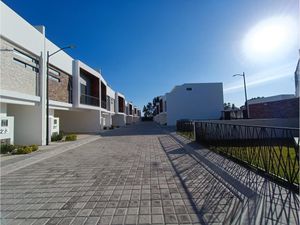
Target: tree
x,y
154,109
148,110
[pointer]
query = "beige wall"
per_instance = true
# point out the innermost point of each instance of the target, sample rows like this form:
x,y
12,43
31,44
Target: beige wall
x,y
85,121
15,77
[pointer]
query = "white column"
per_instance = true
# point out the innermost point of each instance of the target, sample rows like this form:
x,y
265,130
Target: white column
x,y
43,78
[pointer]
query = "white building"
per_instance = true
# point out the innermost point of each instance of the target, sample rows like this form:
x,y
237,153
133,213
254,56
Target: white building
x,y
195,101
80,99
297,78
119,118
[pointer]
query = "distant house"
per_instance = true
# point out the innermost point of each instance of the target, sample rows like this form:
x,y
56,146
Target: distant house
x,y
232,113
196,101
279,106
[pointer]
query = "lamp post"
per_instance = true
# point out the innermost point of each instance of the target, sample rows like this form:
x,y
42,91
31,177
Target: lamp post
x,y
47,89
245,89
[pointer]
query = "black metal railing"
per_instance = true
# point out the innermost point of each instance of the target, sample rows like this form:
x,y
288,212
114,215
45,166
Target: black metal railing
x,y
186,128
271,150
89,100
185,125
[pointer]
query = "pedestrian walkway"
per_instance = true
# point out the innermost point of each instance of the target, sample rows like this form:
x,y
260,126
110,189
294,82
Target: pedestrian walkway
x,y
142,174
12,163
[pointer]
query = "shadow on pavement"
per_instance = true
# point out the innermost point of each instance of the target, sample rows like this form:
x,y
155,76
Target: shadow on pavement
x,y
223,192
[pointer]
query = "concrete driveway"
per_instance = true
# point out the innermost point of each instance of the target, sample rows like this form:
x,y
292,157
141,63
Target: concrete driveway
x,y
142,174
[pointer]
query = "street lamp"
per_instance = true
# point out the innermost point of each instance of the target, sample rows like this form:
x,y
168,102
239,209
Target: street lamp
x,y
245,88
47,89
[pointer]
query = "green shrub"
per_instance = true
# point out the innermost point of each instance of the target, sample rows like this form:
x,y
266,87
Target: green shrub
x,y
104,128
34,147
22,150
6,148
57,137
71,137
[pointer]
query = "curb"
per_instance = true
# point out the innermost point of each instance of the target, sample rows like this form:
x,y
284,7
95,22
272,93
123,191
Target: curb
x,y
37,158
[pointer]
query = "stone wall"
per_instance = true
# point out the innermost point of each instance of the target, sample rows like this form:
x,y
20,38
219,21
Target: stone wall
x,y
15,76
60,89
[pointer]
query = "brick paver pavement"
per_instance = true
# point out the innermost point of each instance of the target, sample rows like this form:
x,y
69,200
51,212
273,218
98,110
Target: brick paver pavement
x,y
134,175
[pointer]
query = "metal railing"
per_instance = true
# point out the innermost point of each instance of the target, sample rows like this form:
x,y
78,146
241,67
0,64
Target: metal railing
x,y
273,151
185,126
89,100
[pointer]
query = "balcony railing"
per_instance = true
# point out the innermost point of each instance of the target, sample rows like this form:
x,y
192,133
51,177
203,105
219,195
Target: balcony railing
x,y
272,151
89,100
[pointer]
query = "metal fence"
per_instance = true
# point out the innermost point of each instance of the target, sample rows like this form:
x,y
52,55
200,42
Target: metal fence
x,y
185,126
274,151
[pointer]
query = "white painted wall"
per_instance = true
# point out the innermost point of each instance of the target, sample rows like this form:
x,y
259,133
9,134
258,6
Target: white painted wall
x,y
119,120
28,129
204,101
110,92
61,60
84,121
18,30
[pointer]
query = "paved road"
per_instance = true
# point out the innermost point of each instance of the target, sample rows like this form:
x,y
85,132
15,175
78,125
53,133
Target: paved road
x,y
142,175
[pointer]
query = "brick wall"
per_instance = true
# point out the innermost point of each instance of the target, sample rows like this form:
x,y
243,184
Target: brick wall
x,y
59,90
15,76
288,108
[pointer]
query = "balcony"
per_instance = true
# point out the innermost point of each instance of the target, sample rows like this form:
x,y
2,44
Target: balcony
x,y
89,100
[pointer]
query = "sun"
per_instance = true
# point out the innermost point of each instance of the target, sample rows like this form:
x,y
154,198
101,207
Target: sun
x,y
270,38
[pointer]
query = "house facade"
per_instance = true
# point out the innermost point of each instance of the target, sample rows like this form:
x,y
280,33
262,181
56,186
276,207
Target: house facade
x,y
195,101
80,100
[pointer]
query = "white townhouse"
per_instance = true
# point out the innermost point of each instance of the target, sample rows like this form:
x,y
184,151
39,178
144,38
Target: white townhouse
x,y
80,100
119,118
129,112
194,101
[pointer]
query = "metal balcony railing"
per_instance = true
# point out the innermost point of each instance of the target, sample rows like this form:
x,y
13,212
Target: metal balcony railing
x,y
89,100
272,151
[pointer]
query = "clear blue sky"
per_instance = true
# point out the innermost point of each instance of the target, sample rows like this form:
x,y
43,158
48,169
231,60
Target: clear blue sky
x,y
144,48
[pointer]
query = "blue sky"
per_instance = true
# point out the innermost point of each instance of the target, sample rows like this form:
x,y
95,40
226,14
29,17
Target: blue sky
x,y
144,48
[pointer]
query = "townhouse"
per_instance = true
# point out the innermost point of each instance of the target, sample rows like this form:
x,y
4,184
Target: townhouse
x,y
34,69
194,101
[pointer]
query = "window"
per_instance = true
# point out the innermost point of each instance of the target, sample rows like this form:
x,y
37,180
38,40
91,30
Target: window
x,y
189,89
4,123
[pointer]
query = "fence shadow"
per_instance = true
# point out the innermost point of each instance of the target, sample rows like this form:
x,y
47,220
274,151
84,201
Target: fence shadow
x,y
223,192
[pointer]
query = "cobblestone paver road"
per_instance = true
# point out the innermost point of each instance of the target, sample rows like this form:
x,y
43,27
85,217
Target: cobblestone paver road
x,y
127,177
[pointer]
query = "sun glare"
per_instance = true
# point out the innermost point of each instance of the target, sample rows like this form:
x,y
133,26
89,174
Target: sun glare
x,y
270,38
